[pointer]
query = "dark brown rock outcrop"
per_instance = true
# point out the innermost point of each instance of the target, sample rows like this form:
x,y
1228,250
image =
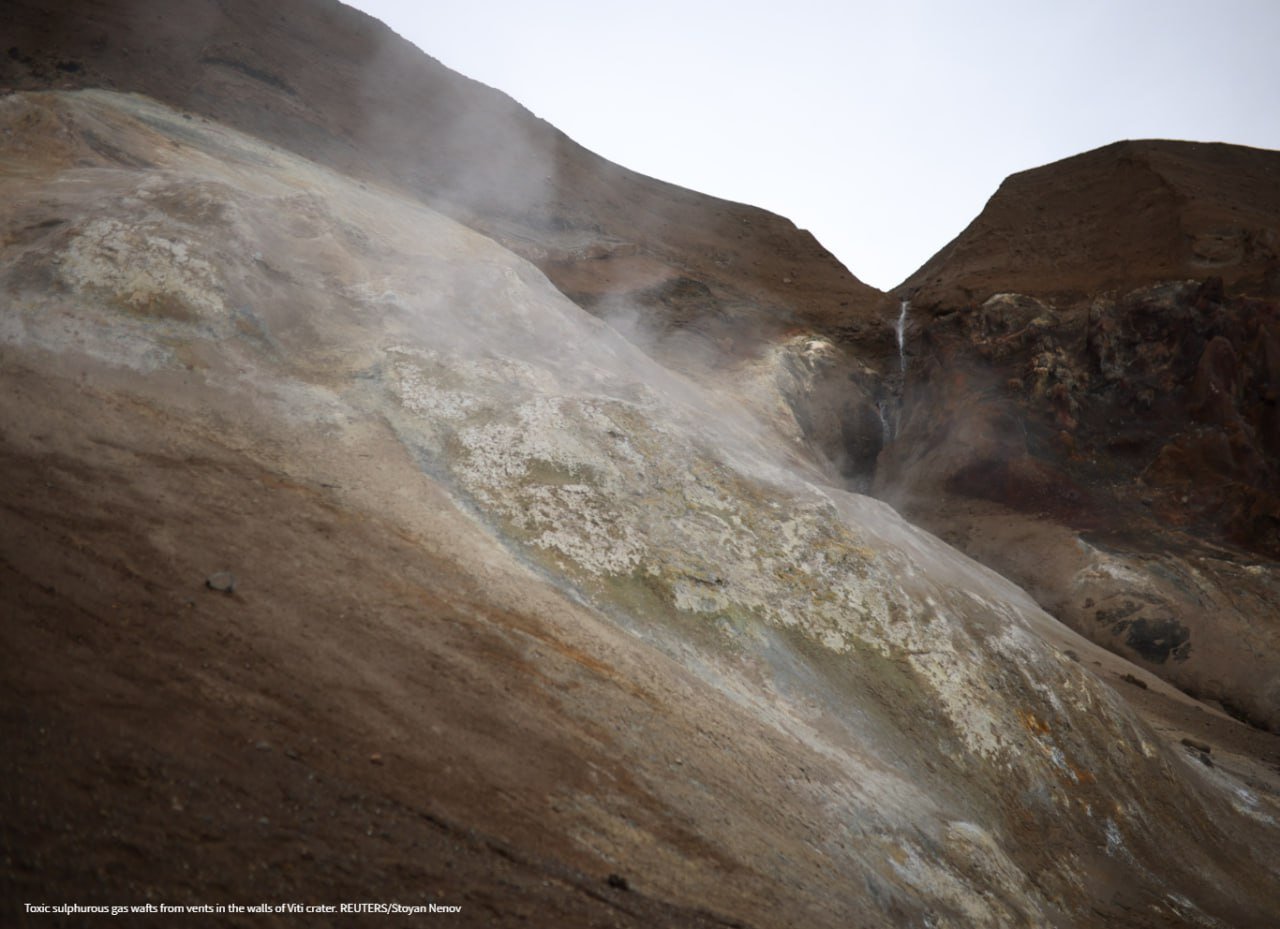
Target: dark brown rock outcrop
x,y
1094,361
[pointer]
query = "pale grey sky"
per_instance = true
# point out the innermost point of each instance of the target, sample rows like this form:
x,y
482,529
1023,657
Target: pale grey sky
x,y
882,127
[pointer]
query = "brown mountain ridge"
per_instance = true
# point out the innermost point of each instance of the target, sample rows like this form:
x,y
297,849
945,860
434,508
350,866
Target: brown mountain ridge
x,y
1116,218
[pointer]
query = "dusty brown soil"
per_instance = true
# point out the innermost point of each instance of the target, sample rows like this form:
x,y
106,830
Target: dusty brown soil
x,y
167,742
361,719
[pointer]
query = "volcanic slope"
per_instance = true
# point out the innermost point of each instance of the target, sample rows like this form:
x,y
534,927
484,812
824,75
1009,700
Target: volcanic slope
x,y
729,294
346,559
339,88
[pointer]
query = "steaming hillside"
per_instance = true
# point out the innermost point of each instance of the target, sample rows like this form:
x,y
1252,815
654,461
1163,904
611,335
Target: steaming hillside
x,y
500,583
340,88
402,503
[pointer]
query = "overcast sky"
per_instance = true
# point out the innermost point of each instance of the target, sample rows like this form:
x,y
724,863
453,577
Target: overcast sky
x,y
882,127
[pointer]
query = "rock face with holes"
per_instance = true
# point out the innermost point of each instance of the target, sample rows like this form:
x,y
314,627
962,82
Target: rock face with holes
x,y
513,601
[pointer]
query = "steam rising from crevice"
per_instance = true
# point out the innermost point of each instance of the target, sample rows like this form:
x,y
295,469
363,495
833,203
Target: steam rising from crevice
x,y
901,331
